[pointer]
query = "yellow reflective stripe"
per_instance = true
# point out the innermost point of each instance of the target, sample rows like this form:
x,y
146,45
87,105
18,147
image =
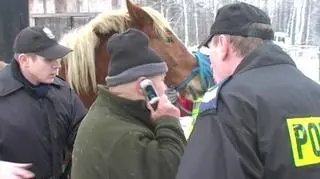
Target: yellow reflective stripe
x,y
304,136
195,113
189,130
195,110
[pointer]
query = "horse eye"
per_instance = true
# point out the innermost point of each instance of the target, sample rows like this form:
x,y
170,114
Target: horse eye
x,y
169,40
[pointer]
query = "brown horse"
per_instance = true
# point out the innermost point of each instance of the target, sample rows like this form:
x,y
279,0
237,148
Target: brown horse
x,y
87,65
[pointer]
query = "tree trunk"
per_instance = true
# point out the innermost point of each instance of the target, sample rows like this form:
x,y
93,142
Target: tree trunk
x,y
266,9
303,21
197,28
44,6
115,4
162,7
293,28
306,24
186,24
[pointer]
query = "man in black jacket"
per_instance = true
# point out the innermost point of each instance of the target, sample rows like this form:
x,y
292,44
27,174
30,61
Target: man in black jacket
x,y
262,120
40,113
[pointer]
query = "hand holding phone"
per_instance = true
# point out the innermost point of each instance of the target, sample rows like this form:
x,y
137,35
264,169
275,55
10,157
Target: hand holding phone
x,y
150,93
160,105
164,109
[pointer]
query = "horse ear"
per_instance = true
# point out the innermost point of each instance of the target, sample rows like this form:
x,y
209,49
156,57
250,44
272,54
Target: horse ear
x,y
140,17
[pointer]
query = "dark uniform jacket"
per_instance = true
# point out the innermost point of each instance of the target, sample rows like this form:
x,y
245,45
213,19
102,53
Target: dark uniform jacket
x,y
117,140
37,123
261,123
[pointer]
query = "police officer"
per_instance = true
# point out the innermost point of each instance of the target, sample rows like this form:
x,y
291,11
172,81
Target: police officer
x,y
262,119
40,113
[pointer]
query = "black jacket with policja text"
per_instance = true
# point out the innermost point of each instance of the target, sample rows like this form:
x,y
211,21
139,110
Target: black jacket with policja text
x,y
261,123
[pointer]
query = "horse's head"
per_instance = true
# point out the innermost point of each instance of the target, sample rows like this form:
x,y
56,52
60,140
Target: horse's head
x,y
87,65
168,46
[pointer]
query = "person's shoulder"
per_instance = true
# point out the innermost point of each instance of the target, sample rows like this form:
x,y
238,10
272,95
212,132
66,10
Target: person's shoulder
x,y
4,76
237,93
59,81
61,87
8,83
238,85
5,71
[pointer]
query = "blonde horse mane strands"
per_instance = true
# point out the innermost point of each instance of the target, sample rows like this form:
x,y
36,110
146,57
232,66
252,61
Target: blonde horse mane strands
x,y
79,65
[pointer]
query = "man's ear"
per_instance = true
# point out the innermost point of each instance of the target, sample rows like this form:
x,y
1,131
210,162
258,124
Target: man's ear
x,y
138,88
224,46
22,59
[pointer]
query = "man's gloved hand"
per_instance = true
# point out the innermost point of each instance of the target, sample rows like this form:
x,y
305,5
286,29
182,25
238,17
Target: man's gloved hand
x,y
165,108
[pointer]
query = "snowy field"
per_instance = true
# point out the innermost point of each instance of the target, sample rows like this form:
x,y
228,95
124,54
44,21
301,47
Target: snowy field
x,y
307,60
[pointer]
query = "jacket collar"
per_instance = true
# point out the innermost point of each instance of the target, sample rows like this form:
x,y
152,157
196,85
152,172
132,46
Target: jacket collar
x,y
133,111
264,55
9,84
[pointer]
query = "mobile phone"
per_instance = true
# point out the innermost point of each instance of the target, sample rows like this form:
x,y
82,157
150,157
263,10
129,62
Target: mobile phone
x,y
150,93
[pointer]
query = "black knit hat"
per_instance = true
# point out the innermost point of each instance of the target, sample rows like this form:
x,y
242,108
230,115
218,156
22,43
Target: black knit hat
x,y
41,41
131,58
236,19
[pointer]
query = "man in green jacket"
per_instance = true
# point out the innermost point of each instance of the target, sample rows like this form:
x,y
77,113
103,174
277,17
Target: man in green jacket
x,y
122,137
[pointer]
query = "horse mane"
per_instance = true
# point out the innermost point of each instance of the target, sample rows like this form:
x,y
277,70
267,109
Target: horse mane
x,y
80,64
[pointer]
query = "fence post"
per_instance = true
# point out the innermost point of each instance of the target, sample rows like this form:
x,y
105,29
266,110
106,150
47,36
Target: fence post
x,y
14,16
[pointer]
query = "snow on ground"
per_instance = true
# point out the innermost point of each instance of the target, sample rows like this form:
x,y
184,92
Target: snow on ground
x,y
307,59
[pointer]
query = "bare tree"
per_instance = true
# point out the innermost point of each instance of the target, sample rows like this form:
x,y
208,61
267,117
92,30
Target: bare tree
x,y
304,29
196,24
186,24
162,3
115,4
191,19
292,31
44,6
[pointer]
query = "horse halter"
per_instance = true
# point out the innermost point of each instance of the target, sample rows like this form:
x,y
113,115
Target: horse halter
x,y
202,69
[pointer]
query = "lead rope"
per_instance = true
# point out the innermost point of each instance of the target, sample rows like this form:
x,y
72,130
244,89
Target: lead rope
x,y
172,95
